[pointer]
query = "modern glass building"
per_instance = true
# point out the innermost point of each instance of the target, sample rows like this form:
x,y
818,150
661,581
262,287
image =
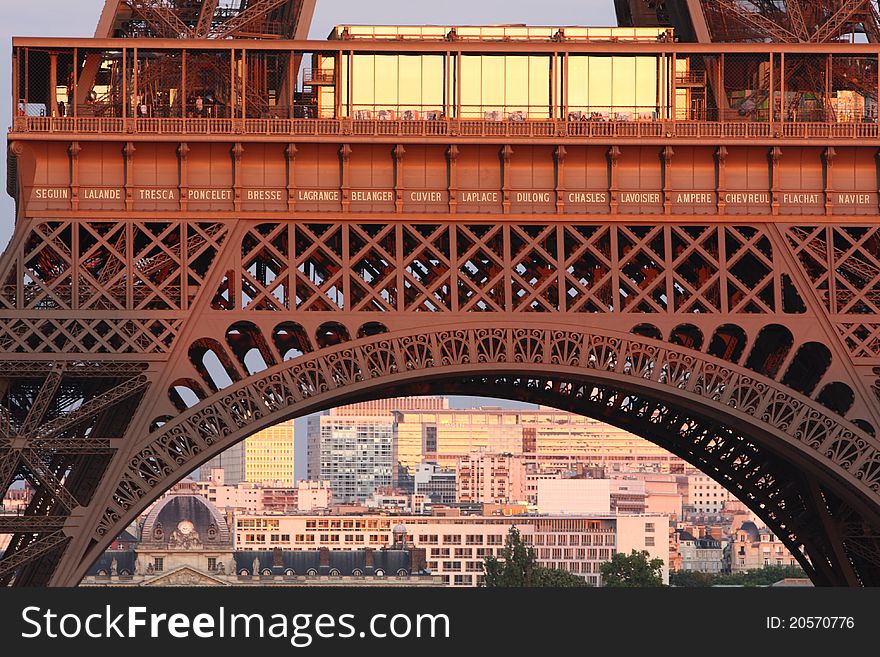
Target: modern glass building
x,y
357,455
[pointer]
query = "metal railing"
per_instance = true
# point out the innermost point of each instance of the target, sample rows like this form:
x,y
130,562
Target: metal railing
x,y
532,128
313,76
690,78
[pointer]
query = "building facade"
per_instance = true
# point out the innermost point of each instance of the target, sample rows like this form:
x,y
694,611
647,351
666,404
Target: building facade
x,y
705,496
705,554
436,484
458,545
574,496
230,461
185,541
269,456
490,478
356,454
313,495
753,547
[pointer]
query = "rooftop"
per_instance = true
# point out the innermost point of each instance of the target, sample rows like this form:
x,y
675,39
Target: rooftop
x,y
511,32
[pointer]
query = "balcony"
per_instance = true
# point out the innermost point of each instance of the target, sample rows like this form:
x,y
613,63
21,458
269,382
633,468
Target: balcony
x,y
25,127
318,77
690,79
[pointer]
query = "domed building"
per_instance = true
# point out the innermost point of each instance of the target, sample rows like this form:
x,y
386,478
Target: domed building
x,y
185,541
185,530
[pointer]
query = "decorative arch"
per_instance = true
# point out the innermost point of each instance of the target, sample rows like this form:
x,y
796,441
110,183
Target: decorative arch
x,y
807,368
648,331
837,397
756,436
687,335
291,340
330,334
728,342
770,350
212,364
249,346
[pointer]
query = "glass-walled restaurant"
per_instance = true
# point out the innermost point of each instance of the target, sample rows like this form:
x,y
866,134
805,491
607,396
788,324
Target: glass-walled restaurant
x,y
429,74
502,87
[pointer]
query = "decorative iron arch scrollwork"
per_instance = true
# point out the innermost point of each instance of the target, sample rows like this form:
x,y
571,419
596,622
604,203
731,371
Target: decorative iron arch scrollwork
x,y
662,382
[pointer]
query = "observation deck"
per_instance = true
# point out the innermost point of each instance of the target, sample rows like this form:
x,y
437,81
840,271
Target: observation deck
x,y
498,84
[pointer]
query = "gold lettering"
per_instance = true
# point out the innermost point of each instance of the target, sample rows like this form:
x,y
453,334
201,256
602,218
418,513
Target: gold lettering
x,y
587,197
263,195
853,199
210,194
533,197
479,197
693,197
426,197
92,194
157,194
640,197
742,198
317,195
799,198
372,195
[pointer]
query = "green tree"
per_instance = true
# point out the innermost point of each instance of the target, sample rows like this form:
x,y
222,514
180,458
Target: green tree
x,y
632,570
691,578
557,577
757,577
518,567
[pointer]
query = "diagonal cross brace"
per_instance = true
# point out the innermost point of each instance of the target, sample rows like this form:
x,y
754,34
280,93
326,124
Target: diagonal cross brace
x,y
797,19
206,19
838,19
89,409
47,479
255,9
31,524
161,18
757,21
10,563
40,406
9,460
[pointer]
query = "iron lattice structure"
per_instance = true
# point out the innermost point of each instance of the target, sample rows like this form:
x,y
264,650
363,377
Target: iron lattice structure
x,y
197,19
138,343
775,21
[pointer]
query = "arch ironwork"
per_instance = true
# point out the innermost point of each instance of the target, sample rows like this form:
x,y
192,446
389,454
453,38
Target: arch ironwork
x,y
753,434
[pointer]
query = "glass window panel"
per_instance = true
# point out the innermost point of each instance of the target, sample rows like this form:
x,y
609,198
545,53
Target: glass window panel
x,y
623,92
600,84
493,81
432,82
386,81
410,81
363,82
471,86
646,83
622,87
578,98
397,82
343,84
539,87
515,94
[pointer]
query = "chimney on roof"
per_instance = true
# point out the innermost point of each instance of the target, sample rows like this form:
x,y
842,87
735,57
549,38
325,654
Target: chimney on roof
x,y
418,561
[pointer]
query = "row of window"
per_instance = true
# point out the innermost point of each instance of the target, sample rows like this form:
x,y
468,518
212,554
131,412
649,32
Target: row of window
x,y
580,554
574,539
348,524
